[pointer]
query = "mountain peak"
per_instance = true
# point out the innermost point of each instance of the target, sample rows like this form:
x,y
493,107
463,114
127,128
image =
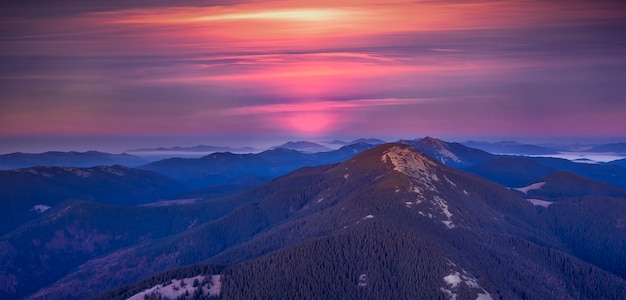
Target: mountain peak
x,y
409,161
430,139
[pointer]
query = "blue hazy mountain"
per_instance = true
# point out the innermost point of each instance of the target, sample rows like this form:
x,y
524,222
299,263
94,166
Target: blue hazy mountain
x,y
609,148
26,193
198,148
66,159
303,146
510,147
246,169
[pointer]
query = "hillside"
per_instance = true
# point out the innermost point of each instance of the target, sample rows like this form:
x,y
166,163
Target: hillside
x,y
566,185
26,193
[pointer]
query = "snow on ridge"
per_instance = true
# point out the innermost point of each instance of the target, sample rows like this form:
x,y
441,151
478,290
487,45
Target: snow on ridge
x,y
409,162
78,172
539,202
413,164
40,208
534,186
111,170
444,152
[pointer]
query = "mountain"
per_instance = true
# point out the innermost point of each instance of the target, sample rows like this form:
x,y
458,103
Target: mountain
x,y
389,222
519,171
198,148
566,185
452,154
247,169
370,141
613,174
26,193
511,171
619,162
510,147
609,148
303,146
65,159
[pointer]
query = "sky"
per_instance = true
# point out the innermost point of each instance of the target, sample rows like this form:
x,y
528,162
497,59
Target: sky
x,y
235,72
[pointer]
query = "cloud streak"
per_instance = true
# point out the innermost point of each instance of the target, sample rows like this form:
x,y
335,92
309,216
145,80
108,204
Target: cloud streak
x,y
313,68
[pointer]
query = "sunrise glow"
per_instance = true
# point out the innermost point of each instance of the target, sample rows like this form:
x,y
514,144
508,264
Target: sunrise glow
x,y
315,68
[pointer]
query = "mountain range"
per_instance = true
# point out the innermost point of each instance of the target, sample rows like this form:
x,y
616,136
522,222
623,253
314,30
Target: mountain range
x,y
303,146
246,169
67,159
510,147
389,222
198,148
399,220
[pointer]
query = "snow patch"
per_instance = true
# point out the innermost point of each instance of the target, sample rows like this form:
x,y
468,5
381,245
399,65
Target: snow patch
x,y
40,208
362,280
345,176
444,153
172,202
442,206
32,171
78,172
449,181
210,286
216,285
112,171
368,217
534,186
485,296
320,200
538,202
454,280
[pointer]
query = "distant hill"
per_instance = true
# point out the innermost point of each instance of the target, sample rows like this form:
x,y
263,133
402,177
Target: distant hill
x,y
67,159
303,146
511,171
451,154
567,185
26,193
613,174
198,148
510,147
247,169
609,148
619,162
389,222
370,141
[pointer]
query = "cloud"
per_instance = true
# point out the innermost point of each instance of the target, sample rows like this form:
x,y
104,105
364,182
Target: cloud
x,y
248,66
322,106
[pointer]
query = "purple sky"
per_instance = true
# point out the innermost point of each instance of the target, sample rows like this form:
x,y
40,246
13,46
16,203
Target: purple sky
x,y
270,70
